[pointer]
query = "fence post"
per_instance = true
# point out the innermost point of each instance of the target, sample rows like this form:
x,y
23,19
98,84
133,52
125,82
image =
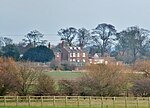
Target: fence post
x,y
90,101
29,101
114,102
54,101
78,101
66,100
4,100
102,102
137,102
41,100
16,100
125,102
149,102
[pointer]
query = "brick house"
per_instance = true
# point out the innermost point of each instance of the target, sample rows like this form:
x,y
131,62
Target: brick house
x,y
71,54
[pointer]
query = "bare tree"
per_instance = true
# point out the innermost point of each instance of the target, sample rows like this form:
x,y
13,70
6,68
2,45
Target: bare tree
x,y
45,85
134,43
83,37
34,38
141,87
68,87
142,67
27,78
8,79
68,34
103,36
5,41
104,80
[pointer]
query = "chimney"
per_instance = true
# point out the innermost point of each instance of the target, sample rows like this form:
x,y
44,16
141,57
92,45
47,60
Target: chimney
x,y
62,44
49,45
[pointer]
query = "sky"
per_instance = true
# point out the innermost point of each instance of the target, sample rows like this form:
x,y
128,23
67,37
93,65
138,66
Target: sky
x,y
19,17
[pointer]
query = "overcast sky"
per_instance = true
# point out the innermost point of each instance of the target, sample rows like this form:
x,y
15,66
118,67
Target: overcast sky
x,y
18,17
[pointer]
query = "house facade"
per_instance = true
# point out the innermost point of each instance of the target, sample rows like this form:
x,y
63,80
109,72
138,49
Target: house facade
x,y
98,59
71,54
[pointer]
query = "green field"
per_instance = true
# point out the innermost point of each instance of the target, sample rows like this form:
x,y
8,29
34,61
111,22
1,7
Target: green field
x,y
68,75
42,107
60,107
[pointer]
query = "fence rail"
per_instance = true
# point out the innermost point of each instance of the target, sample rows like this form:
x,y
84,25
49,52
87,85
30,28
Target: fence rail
x,y
91,101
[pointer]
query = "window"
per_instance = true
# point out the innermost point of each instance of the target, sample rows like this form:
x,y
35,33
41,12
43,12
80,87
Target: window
x,y
75,48
101,61
83,60
57,55
78,54
83,54
106,62
74,54
90,60
71,48
70,54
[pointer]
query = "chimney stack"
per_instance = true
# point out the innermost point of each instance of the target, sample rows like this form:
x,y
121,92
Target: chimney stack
x,y
49,45
62,44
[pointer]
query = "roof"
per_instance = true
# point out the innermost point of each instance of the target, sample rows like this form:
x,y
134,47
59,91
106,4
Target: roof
x,y
73,49
97,55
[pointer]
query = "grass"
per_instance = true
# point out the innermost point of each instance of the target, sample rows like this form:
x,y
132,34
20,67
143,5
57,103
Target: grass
x,y
68,75
60,107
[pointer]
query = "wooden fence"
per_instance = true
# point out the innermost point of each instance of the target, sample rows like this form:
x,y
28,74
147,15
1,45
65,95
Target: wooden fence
x,y
91,101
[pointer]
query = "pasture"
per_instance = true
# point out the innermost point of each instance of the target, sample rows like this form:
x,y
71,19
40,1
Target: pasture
x,y
66,75
61,107
44,107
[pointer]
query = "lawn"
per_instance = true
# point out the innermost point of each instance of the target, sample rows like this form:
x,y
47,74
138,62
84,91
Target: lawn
x,y
45,107
59,107
69,75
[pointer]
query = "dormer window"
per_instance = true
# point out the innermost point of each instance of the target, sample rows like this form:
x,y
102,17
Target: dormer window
x,y
71,48
75,48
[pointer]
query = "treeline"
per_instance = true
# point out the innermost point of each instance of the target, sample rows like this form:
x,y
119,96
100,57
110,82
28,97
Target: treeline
x,y
32,48
128,45
100,80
